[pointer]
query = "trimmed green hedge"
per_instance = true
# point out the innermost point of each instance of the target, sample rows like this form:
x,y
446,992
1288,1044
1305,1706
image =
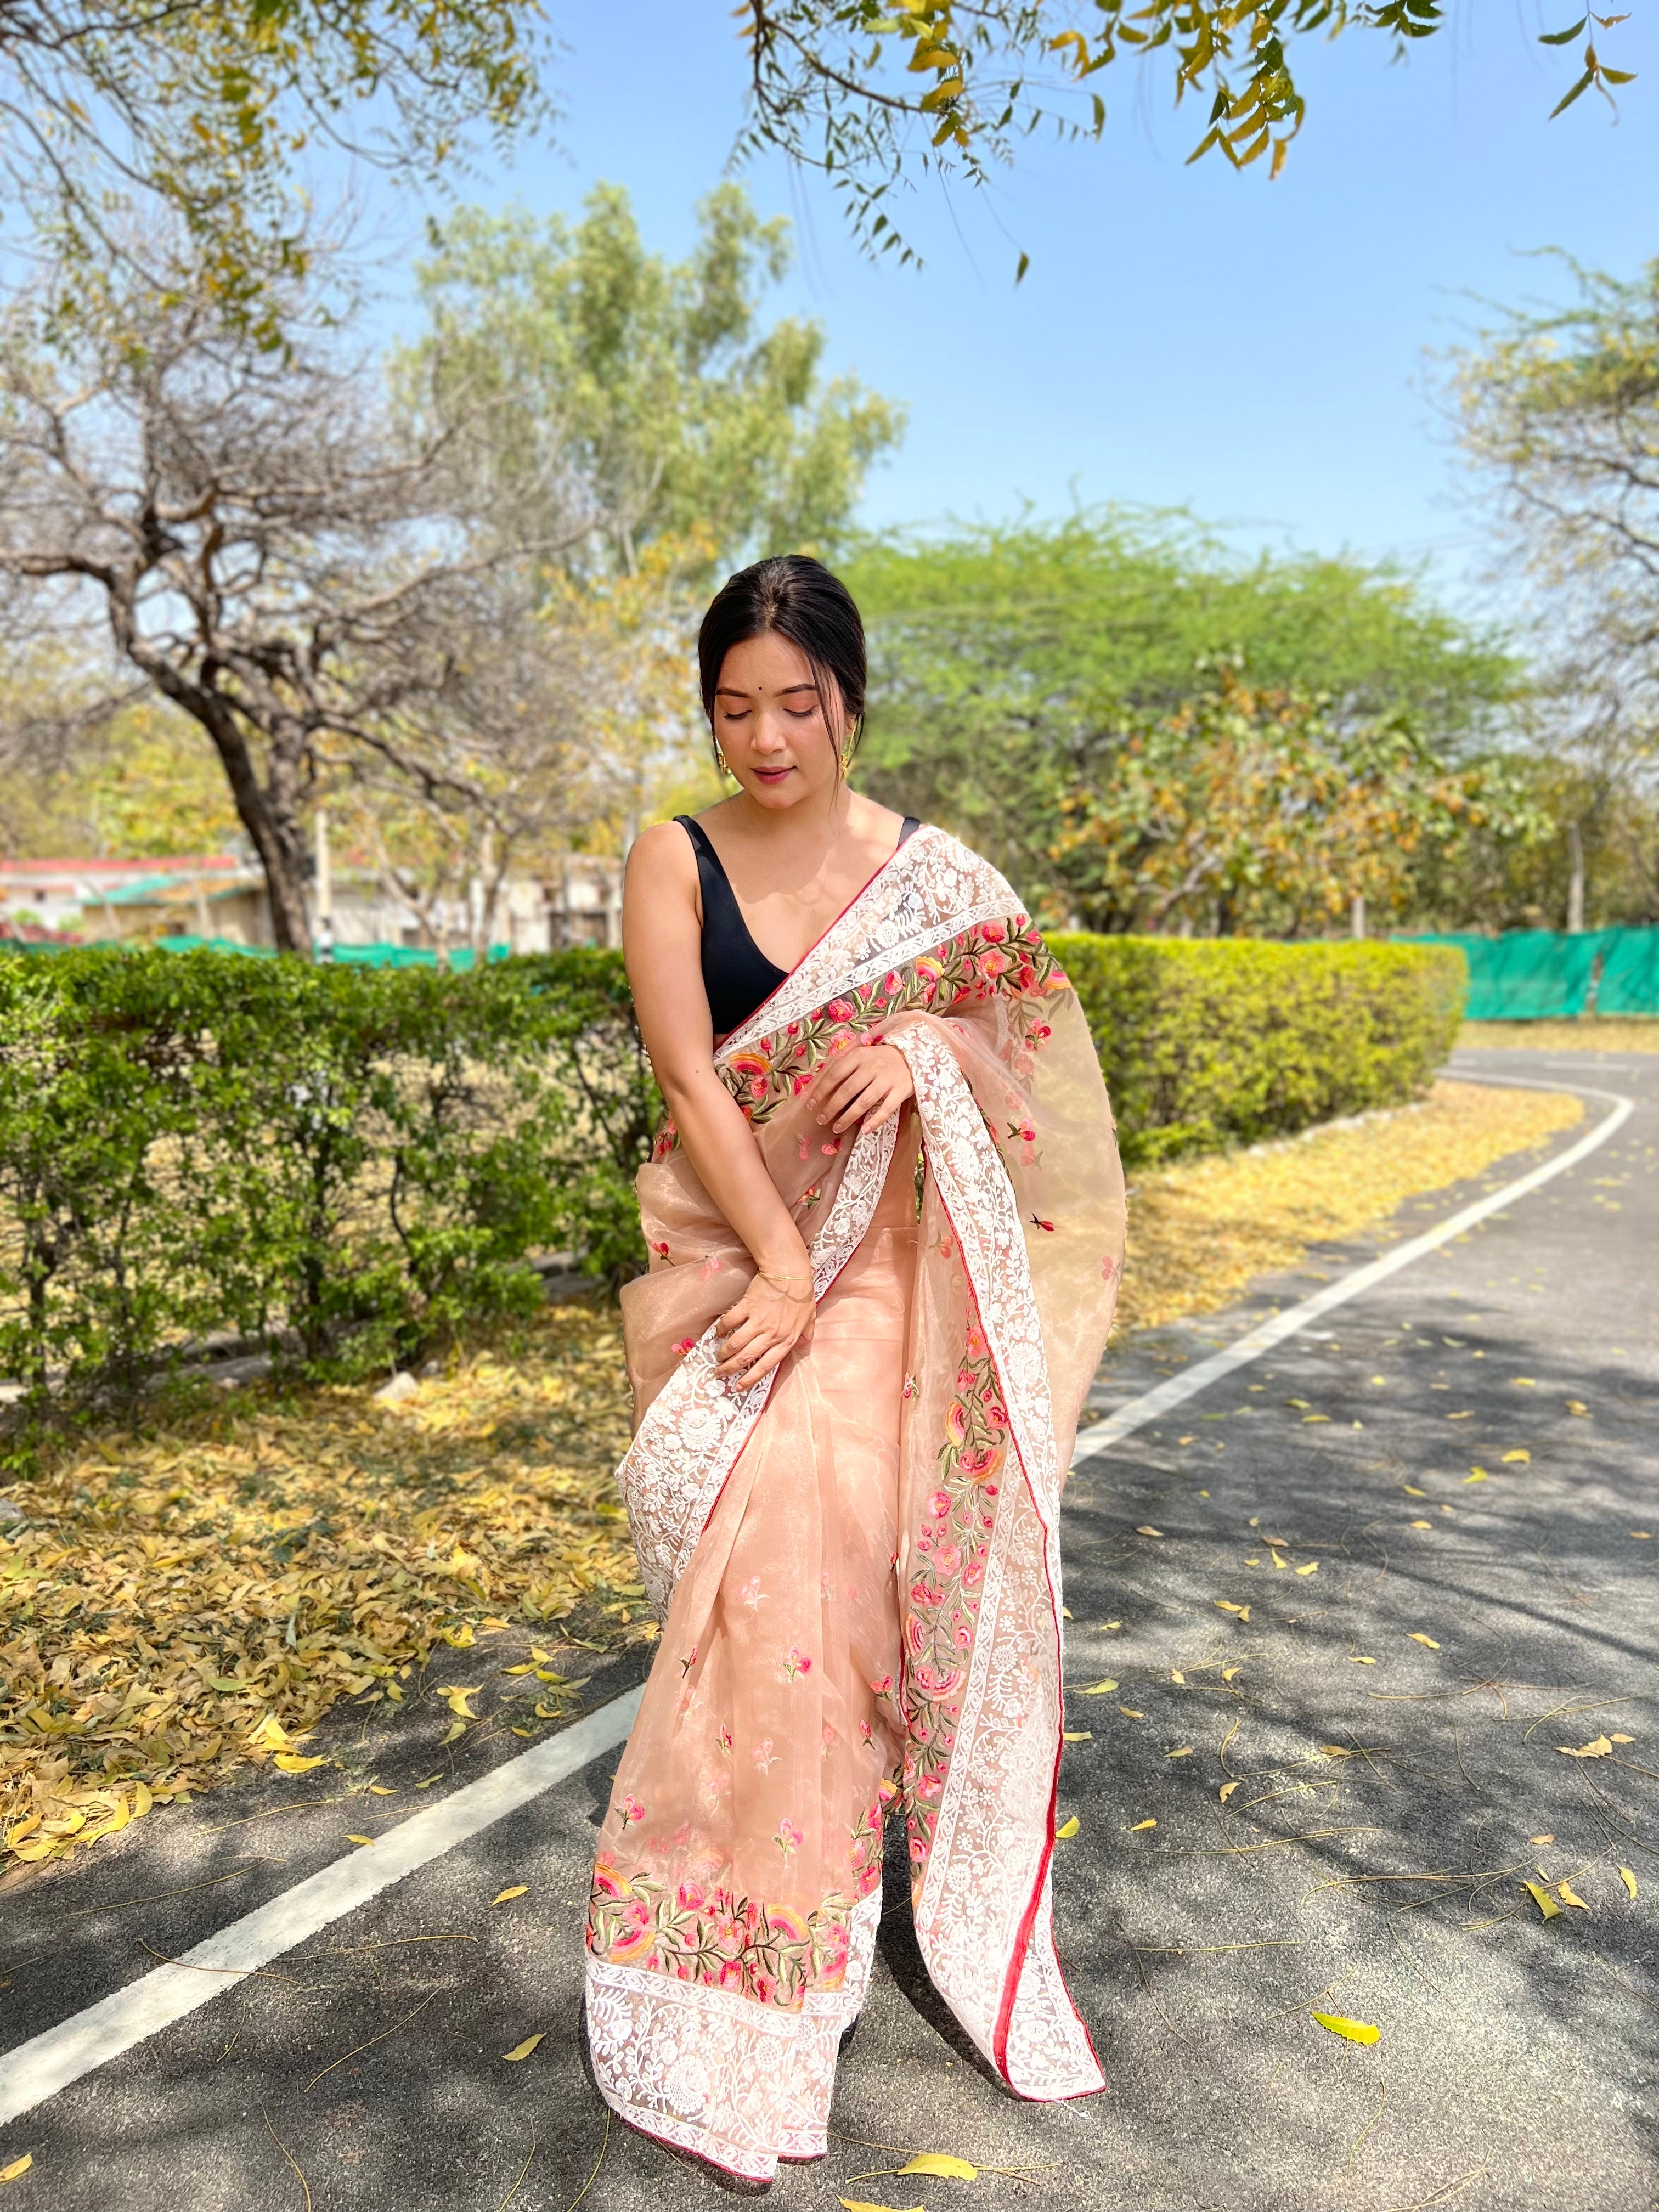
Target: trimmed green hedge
x,y
344,1163
1210,1041
348,1163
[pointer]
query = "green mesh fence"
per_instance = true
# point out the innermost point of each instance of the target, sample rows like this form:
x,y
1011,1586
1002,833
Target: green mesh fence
x,y
1531,974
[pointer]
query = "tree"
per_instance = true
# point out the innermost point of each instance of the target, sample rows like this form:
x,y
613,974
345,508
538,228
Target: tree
x,y
873,94
653,382
262,544
197,115
1007,663
1251,812
1558,412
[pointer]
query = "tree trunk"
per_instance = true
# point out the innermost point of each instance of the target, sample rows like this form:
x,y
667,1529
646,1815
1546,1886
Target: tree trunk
x,y
1574,881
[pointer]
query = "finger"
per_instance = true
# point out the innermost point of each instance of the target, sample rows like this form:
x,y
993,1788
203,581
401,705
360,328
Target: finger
x,y
762,1367
857,1102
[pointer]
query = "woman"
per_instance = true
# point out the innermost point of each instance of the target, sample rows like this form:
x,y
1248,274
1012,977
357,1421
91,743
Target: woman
x,y
885,1226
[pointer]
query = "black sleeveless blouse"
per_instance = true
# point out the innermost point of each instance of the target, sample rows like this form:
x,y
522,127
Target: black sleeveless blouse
x,y
736,974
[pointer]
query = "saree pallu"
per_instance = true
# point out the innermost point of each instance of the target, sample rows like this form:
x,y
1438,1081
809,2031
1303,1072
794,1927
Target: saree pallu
x,y
856,1561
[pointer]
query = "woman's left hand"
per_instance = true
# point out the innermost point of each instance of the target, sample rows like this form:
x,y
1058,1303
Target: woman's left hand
x,y
868,1085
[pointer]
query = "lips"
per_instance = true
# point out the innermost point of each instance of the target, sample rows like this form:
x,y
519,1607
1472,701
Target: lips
x,y
774,775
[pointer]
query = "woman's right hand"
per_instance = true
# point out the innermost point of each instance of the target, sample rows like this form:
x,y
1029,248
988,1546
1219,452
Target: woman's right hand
x,y
774,1315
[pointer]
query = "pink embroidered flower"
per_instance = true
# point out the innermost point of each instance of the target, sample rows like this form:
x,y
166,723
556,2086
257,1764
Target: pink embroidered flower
x,y
689,1661
796,1663
751,1593
788,1838
884,1688
911,1386
939,1503
1038,1223
723,1741
829,1735
631,1810
765,1758
993,932
634,1932
764,1988
661,1250
866,1732
1108,1269
685,1344
690,1896
840,1010
831,1150
730,1974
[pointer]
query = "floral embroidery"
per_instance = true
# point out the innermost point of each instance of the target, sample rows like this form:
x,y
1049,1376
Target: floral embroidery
x,y
723,1741
1037,1222
684,1346
631,1810
795,1662
697,1933
751,1593
765,1758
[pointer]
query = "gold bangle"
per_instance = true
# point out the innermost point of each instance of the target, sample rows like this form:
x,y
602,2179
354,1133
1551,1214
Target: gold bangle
x,y
781,1283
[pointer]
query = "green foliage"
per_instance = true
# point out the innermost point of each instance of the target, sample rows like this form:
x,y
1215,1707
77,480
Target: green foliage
x,y
201,112
347,1163
1209,1044
1012,668
652,381
873,94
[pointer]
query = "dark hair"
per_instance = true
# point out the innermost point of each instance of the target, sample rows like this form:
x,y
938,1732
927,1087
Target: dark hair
x,y
798,598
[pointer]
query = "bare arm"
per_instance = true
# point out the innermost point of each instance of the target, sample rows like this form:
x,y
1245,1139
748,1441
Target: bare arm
x,y
662,946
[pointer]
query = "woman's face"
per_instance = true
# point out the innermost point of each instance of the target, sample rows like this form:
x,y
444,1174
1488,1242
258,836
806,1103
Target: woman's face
x,y
780,735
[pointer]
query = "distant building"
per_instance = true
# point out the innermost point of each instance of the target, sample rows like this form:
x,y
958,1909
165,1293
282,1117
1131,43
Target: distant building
x,y
219,896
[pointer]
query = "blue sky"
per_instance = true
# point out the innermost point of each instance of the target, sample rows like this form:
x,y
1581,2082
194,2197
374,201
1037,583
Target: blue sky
x,y
1255,350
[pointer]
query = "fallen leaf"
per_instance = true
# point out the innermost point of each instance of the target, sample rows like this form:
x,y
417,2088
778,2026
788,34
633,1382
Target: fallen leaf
x,y
1227,1790
1078,1735
1642,1536
1066,1613
1069,1829
1098,1689
1628,1879
1541,1898
1418,1636
291,1763
1279,1560
1541,1839
1510,1457
1312,1568
941,2165
377,1788
522,2049
1410,1492
455,1728
1568,1895
1149,1532
1130,1714
1186,1440
1111,1624
1139,1825
369,1840
1476,1474
1356,2031
19,2165
1227,1673
856,2204
1599,1747
1185,1752
1300,1404
521,1891
1335,1751
528,1667
1356,1659
1243,1611
1375,1379
1175,1675
457,1702
1422,1524
1616,1738
1524,1382
1576,1406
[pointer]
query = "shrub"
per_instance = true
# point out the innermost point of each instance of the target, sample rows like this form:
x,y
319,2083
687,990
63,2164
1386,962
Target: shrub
x,y
344,1163
1210,1042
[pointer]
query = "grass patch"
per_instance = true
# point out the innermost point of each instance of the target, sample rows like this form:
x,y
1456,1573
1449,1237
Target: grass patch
x,y
1585,1033
1199,1233
182,1602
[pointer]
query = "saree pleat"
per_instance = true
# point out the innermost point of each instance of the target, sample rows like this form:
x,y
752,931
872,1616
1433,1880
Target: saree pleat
x,y
856,1562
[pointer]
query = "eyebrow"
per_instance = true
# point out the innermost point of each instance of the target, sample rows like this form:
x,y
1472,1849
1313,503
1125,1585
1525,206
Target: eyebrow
x,y
731,691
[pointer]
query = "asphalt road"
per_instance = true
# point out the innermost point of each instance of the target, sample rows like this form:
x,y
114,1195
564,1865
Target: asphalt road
x,y
1392,1796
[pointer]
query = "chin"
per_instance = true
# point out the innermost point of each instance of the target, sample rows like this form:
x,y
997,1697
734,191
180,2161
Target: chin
x,y
789,792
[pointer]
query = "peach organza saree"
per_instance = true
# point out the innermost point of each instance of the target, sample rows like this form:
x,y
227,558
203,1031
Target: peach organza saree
x,y
857,1561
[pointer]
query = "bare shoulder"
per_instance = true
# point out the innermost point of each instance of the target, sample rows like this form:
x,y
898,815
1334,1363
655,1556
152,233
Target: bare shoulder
x,y
661,858
871,823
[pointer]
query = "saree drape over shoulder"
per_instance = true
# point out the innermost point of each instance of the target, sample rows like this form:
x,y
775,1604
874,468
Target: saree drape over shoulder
x,y
857,1561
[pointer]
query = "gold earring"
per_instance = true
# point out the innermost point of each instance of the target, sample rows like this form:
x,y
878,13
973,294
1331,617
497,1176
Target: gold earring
x,y
721,760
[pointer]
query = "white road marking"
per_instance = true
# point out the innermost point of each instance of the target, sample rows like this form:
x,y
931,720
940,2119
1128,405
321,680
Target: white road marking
x,y
50,2062
1178,1388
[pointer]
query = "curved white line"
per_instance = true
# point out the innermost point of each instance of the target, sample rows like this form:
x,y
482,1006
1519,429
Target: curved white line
x,y
1191,1379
